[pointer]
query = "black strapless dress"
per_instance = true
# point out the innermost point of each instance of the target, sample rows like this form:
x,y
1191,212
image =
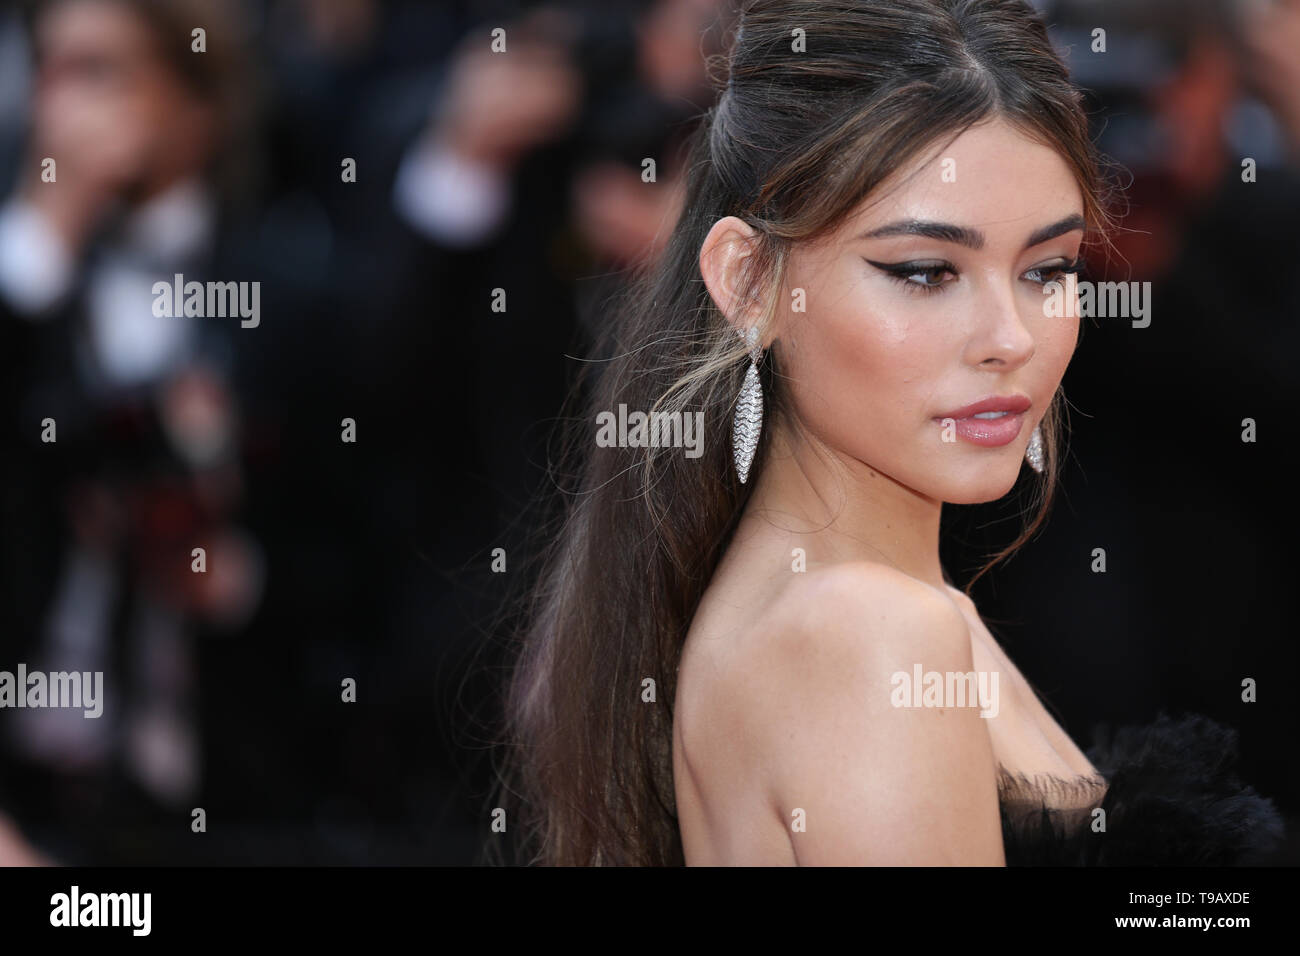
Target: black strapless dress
x,y
1169,797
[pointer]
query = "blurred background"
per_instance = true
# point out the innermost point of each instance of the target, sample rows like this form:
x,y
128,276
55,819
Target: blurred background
x,y
380,172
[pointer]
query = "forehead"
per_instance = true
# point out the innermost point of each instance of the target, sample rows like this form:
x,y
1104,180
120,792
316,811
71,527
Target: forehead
x,y
991,177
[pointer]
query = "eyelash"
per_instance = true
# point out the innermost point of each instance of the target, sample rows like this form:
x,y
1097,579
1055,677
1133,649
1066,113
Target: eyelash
x,y
903,271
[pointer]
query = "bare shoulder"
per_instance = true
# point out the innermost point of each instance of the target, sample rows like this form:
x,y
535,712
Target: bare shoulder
x,y
841,619
864,610
873,778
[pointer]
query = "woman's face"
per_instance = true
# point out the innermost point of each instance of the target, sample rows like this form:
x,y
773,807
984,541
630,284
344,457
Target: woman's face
x,y
930,299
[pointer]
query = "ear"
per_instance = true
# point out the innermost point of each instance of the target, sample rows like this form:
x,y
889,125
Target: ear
x,y
725,260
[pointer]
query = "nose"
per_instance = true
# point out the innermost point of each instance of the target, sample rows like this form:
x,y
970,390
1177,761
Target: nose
x,y
1000,339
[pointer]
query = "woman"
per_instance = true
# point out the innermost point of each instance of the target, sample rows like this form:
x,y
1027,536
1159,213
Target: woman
x,y
721,658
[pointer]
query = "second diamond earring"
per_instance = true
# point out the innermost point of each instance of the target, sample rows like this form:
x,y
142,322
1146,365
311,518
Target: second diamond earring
x,y
1034,453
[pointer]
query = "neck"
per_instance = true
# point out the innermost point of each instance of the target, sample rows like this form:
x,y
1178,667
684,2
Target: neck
x,y
841,509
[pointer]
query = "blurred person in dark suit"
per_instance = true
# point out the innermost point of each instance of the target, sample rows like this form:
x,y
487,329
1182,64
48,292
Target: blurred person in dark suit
x,y
531,177
521,173
122,427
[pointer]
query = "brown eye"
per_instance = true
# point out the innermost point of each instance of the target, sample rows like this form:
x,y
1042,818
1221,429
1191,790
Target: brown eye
x,y
918,276
929,277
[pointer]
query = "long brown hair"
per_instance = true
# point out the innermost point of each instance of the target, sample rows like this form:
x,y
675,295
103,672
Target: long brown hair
x,y
798,138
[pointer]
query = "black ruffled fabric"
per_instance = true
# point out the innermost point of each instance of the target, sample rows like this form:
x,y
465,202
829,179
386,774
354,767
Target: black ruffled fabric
x,y
1170,798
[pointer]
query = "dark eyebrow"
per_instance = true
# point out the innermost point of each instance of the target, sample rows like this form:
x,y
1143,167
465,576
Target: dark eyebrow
x,y
945,232
1068,224
972,238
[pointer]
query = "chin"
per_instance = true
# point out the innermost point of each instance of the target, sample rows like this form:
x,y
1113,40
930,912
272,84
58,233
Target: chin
x,y
990,484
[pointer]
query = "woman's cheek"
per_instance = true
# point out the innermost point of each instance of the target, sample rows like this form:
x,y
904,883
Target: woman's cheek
x,y
833,363
1059,342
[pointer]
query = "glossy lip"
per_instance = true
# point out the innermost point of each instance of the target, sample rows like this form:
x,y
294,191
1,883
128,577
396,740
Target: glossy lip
x,y
1014,404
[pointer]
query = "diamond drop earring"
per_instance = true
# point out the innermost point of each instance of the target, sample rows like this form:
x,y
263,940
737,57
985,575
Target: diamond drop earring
x,y
1034,453
748,423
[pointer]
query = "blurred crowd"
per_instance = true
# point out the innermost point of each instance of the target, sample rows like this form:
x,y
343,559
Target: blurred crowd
x,y
438,201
